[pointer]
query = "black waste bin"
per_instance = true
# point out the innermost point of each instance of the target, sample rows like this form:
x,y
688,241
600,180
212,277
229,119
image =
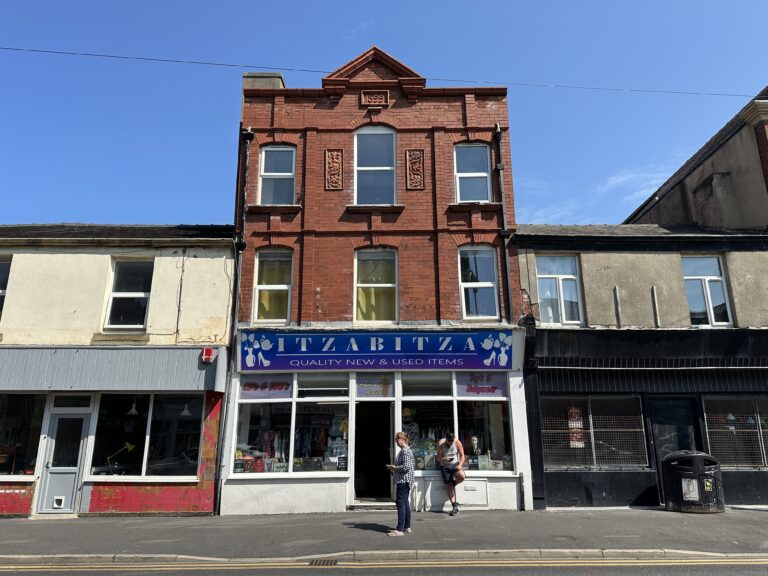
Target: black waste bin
x,y
693,482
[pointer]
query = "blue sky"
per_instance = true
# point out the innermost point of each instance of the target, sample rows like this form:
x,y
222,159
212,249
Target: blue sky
x,y
121,141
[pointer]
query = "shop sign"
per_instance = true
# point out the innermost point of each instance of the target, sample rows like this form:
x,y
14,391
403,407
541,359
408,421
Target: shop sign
x,y
481,384
357,350
269,386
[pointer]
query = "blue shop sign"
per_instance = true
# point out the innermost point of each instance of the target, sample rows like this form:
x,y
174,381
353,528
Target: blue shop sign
x,y
357,350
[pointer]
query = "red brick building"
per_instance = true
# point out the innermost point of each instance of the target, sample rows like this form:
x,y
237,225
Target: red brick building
x,y
374,291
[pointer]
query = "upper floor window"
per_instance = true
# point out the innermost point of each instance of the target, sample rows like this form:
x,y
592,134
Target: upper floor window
x,y
278,168
376,286
705,289
558,283
129,300
477,270
473,181
375,166
272,296
5,271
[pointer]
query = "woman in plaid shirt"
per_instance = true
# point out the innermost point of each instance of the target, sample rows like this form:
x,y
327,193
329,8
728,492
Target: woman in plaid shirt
x,y
403,472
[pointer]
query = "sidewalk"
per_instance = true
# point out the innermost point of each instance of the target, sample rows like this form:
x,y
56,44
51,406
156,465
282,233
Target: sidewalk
x,y
616,533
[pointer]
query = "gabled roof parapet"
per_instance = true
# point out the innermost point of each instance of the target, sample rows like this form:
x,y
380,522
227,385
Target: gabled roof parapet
x,y
383,71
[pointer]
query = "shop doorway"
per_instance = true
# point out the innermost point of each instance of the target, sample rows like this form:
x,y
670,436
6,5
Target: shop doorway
x,y
374,449
674,427
64,455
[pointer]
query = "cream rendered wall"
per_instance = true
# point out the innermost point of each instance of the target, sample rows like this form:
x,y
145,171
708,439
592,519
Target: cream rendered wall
x,y
747,273
60,296
635,274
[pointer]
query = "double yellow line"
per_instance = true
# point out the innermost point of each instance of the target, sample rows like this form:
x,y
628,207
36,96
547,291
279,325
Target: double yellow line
x,y
354,565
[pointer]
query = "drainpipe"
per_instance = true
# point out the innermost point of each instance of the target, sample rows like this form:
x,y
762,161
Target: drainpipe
x,y
505,232
238,245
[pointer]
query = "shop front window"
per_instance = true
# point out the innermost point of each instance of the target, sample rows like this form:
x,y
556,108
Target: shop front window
x,y
484,431
266,440
21,419
426,423
320,438
587,432
121,434
174,440
734,429
263,438
169,425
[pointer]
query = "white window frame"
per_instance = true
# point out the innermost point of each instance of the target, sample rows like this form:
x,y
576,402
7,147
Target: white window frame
x,y
378,130
397,399
494,284
458,176
277,175
272,287
113,295
560,301
358,285
704,280
3,291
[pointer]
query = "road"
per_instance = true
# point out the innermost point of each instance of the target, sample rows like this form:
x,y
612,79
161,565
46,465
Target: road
x,y
687,567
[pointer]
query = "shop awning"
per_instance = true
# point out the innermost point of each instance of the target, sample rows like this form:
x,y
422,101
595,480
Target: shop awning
x,y
111,368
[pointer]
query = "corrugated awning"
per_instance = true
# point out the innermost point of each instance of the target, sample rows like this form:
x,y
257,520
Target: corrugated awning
x,y
110,368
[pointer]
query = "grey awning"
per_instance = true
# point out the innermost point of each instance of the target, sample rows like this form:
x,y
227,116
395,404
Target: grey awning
x,y
110,368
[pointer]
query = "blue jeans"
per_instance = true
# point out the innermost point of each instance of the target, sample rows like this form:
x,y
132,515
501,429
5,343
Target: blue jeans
x,y
403,505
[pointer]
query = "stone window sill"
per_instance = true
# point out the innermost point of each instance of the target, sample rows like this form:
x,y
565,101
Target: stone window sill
x,y
475,206
365,208
273,208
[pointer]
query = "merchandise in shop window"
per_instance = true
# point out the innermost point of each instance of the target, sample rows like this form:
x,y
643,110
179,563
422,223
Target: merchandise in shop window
x,y
425,423
320,438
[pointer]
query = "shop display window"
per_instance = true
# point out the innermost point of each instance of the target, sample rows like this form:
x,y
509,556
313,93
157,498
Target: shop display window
x,y
593,432
427,384
121,434
734,429
165,427
426,423
320,437
263,438
21,419
485,433
174,440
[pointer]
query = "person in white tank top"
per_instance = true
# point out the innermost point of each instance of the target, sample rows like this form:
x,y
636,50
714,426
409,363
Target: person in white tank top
x,y
450,454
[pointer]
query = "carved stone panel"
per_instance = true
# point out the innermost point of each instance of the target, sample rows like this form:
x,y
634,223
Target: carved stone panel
x,y
334,173
374,98
414,161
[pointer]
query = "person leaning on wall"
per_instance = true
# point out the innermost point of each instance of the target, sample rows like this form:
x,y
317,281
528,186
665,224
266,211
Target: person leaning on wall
x,y
402,470
450,453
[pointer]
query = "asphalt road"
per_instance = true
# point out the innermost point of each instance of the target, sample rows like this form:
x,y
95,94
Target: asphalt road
x,y
689,567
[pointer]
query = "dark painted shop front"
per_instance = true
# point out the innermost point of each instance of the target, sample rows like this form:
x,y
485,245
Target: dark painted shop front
x,y
606,406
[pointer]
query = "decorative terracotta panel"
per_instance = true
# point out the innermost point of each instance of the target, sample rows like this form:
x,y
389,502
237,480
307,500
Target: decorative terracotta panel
x,y
414,161
334,178
374,98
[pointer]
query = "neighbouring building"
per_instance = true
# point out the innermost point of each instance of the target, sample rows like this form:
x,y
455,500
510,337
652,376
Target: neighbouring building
x,y
113,347
374,293
649,337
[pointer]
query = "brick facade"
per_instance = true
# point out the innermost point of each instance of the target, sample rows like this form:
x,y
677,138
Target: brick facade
x,y
426,225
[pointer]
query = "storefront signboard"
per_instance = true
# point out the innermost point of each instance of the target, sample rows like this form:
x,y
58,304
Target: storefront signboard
x,y
358,350
481,384
267,386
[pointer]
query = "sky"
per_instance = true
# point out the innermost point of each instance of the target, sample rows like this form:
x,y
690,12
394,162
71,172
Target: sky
x,y
127,141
